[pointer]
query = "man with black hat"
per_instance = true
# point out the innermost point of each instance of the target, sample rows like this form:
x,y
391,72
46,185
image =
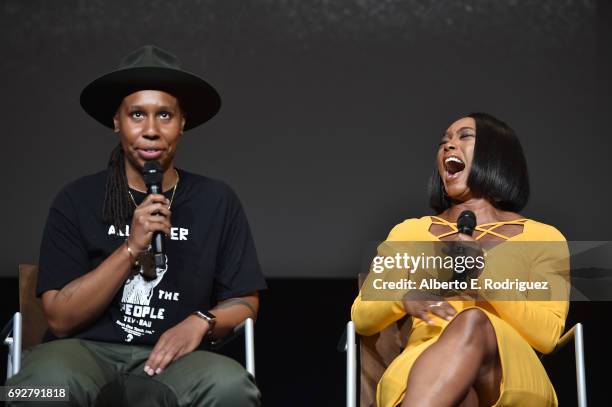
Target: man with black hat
x,y
121,323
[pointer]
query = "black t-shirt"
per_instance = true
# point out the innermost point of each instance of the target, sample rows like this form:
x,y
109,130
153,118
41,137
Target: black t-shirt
x,y
210,256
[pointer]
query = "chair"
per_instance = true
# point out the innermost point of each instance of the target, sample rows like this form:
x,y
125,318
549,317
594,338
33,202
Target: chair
x,y
377,352
28,325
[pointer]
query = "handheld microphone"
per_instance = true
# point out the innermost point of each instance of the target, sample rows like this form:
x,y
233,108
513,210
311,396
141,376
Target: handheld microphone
x,y
153,175
466,222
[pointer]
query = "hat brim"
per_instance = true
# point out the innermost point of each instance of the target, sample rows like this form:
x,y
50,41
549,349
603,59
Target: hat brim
x,y
198,99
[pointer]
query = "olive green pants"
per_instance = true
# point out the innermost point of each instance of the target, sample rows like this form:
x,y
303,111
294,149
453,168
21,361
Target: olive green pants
x,y
108,374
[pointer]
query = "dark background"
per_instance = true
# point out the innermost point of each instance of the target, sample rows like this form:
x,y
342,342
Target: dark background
x,y
331,115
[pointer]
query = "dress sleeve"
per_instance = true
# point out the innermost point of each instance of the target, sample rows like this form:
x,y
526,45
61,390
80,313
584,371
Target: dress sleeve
x,y
371,317
63,256
541,322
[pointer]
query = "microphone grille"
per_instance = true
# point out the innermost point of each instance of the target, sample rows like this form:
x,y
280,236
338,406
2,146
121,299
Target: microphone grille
x,y
466,220
152,172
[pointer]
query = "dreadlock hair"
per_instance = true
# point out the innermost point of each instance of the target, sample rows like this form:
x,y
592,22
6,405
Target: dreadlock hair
x,y
117,205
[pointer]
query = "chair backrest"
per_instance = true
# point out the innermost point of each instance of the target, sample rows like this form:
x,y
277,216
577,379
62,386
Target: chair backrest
x,y
33,317
377,352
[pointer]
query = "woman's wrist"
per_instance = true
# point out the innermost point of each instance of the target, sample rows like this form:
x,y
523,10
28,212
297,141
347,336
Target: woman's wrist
x,y
202,324
132,253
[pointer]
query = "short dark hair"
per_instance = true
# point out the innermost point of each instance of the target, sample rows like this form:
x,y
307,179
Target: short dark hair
x,y
499,169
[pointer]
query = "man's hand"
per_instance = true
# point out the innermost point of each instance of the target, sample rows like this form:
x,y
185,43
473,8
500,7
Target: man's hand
x,y
177,341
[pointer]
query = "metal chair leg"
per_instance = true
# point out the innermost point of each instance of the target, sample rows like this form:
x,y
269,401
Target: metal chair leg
x,y
580,370
13,342
249,345
351,365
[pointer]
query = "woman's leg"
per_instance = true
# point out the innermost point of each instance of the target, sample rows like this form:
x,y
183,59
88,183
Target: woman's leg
x,y
65,363
465,357
198,379
471,400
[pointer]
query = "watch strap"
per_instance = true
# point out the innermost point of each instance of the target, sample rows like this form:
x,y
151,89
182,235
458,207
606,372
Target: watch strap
x,y
208,317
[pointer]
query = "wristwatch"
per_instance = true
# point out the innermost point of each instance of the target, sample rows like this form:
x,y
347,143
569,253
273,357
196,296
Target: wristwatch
x,y
208,317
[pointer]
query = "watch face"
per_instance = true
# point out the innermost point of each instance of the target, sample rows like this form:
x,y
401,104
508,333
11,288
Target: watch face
x,y
209,315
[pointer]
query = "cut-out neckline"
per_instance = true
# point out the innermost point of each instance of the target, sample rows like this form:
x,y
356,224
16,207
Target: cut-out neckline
x,y
481,228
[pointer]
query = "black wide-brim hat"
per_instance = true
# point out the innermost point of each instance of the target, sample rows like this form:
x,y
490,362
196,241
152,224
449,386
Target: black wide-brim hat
x,y
151,68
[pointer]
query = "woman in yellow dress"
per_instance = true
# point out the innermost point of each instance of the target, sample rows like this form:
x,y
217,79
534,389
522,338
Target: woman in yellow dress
x,y
467,352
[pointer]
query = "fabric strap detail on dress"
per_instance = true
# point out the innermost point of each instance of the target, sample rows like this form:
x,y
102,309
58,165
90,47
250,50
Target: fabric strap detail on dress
x,y
484,231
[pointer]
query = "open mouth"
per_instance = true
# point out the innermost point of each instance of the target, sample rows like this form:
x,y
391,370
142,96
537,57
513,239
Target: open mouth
x,y
453,166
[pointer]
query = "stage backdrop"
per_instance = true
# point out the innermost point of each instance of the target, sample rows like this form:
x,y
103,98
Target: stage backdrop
x,y
332,110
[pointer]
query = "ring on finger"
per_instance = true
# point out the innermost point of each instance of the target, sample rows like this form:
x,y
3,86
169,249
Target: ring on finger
x,y
437,304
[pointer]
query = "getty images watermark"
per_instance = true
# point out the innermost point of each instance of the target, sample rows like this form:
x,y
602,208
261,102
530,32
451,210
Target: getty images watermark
x,y
500,271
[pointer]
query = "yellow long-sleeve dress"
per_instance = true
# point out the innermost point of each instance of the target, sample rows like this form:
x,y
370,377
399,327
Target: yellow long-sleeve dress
x,y
521,326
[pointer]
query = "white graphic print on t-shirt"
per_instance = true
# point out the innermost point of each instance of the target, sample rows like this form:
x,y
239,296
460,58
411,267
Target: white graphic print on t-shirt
x,y
176,233
138,290
135,306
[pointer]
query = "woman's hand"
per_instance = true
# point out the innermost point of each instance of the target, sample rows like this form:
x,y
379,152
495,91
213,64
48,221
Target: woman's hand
x,y
177,341
421,305
152,215
466,246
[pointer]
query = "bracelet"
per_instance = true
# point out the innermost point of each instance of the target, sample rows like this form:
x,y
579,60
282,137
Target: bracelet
x,y
130,252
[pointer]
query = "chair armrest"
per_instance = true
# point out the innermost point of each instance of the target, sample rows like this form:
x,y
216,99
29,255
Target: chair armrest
x,y
348,344
11,334
7,330
565,338
342,343
238,330
246,328
576,333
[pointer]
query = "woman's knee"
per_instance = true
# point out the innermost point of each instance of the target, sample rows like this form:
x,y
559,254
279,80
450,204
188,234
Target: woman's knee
x,y
63,363
235,389
473,325
49,363
214,380
232,385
